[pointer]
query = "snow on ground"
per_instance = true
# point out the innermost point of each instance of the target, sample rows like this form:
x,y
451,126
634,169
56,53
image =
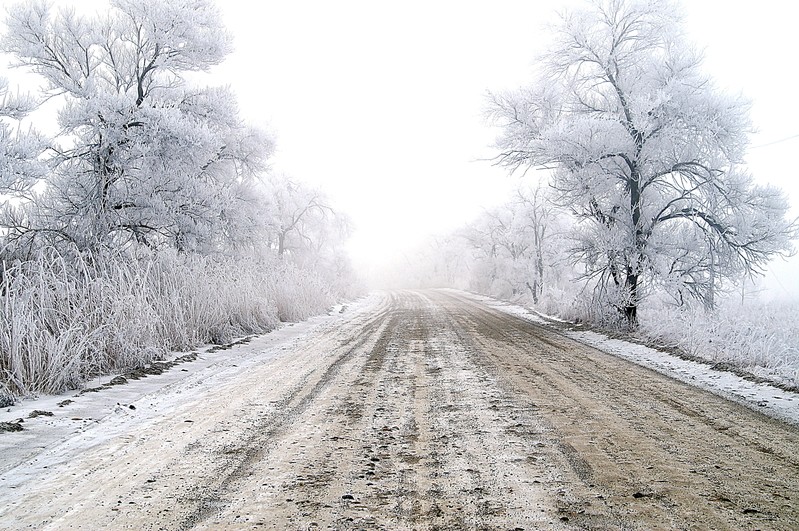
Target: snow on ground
x,y
768,399
91,418
139,403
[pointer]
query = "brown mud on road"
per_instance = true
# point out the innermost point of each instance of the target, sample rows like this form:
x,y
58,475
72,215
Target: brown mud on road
x,y
427,410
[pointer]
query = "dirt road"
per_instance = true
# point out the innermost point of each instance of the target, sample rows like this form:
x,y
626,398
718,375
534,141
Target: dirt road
x,y
425,410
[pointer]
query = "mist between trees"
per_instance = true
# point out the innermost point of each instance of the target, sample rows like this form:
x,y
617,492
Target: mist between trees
x,y
638,212
150,221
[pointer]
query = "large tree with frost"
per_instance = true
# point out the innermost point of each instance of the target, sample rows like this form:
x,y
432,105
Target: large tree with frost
x,y
140,155
647,153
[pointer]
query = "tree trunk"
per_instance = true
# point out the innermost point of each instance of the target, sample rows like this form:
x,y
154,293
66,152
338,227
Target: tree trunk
x,y
710,297
634,268
539,281
631,308
533,290
281,243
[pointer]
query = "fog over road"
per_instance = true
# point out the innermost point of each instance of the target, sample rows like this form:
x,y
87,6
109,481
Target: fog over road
x,y
422,410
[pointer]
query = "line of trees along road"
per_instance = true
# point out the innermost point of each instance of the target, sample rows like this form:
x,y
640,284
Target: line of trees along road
x,y
145,169
645,155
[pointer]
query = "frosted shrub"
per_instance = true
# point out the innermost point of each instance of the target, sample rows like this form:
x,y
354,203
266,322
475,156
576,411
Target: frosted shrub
x,y
758,337
762,338
63,321
201,300
580,304
299,294
50,330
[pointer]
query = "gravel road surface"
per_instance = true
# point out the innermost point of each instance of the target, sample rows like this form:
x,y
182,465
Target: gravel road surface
x,y
419,410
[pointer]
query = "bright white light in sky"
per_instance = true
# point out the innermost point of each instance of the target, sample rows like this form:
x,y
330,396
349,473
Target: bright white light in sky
x,y
381,104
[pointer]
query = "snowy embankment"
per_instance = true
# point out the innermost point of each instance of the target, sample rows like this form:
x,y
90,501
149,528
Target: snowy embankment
x,y
57,426
764,397
66,320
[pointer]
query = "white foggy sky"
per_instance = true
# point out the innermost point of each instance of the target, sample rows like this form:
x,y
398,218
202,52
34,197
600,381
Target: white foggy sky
x,y
381,104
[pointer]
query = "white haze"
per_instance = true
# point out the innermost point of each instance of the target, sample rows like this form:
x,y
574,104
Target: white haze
x,y
382,104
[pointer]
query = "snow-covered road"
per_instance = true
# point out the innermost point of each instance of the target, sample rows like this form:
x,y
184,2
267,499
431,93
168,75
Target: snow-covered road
x,y
408,410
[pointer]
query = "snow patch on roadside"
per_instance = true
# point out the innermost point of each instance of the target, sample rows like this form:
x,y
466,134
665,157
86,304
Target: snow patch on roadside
x,y
761,397
506,307
82,420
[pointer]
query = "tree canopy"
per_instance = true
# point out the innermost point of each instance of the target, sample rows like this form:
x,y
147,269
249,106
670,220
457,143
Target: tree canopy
x,y
646,153
141,155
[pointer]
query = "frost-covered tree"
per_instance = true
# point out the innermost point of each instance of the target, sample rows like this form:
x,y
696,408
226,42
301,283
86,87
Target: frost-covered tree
x,y
512,245
300,227
537,211
141,156
298,218
647,154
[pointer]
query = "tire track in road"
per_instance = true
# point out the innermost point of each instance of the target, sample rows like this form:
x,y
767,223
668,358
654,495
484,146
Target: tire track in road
x,y
259,440
429,411
420,438
664,455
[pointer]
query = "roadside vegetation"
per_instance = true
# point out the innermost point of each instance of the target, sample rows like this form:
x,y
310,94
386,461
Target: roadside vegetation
x,y
143,217
742,333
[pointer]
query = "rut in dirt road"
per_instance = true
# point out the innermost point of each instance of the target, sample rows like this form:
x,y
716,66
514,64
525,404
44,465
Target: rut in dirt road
x,y
420,436
428,410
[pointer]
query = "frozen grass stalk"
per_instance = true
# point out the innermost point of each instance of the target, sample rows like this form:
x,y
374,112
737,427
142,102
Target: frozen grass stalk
x,y
66,321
